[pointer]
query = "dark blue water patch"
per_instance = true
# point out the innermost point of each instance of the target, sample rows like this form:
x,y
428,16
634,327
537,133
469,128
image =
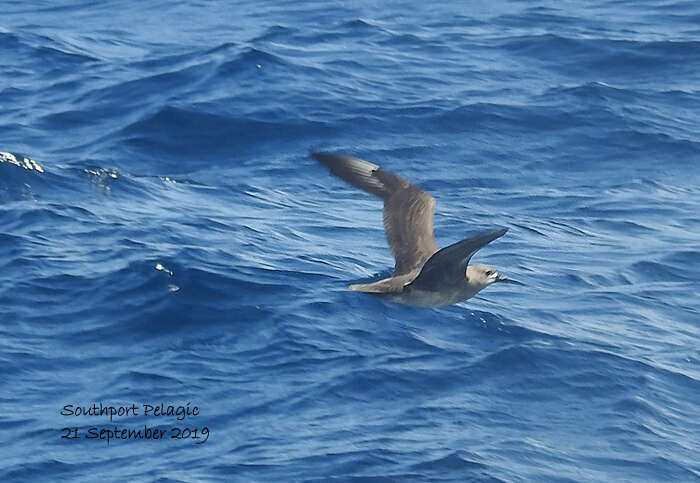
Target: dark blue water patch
x,y
659,272
615,59
251,61
340,31
55,56
548,18
150,302
9,40
659,467
181,60
168,134
14,96
260,70
25,471
592,92
174,81
612,100
540,46
684,259
294,38
652,144
478,117
462,463
30,218
276,33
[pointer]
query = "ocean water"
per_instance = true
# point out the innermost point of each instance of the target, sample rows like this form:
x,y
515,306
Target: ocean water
x,y
169,241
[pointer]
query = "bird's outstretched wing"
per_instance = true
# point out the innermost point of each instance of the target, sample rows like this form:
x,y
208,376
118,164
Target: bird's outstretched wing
x,y
408,210
449,265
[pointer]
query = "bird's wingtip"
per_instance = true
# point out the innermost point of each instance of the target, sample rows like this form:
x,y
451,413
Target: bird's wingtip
x,y
325,158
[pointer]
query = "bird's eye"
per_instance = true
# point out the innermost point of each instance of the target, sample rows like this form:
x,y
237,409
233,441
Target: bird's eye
x,y
488,272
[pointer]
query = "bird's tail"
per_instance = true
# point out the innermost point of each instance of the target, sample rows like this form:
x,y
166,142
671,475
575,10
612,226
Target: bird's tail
x,y
365,288
387,285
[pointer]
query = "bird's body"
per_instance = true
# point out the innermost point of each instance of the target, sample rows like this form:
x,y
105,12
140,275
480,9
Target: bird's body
x,y
423,275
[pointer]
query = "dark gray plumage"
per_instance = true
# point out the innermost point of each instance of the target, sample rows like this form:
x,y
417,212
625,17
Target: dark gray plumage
x,y
423,275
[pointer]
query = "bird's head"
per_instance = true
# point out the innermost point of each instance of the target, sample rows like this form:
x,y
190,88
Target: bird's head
x,y
482,275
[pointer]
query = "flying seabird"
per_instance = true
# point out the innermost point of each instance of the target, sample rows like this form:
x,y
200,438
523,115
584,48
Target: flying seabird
x,y
423,276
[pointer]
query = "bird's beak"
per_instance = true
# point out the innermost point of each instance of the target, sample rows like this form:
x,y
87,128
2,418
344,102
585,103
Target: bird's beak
x,y
503,278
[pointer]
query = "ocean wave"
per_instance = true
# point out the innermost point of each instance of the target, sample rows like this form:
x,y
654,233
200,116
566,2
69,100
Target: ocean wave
x,y
56,53
169,132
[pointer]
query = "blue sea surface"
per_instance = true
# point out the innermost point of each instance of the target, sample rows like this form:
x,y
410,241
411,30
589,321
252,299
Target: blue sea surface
x,y
165,238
